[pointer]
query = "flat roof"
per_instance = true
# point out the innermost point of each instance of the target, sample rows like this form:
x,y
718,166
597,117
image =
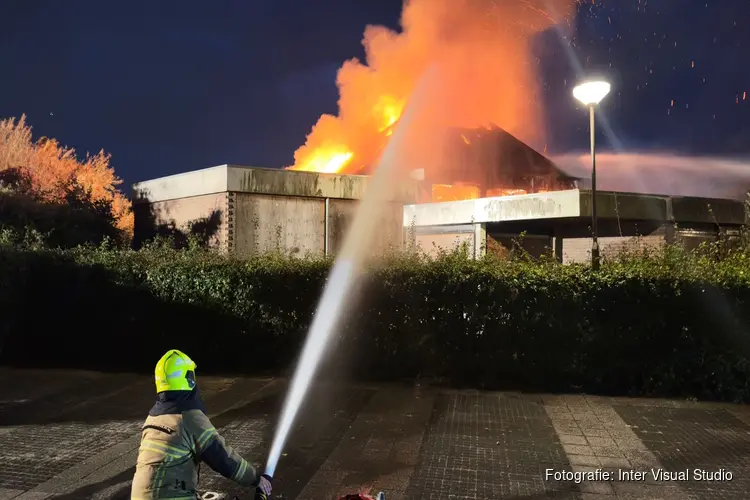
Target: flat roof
x,y
270,181
576,203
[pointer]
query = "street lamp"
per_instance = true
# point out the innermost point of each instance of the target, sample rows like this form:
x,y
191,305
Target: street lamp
x,y
590,94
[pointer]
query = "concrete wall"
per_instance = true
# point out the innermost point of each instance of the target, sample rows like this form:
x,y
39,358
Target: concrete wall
x,y
185,211
340,215
693,238
433,244
296,225
575,247
388,233
503,245
579,249
435,239
572,242
264,223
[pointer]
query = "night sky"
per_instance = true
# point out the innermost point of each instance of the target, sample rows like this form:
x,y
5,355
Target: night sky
x,y
171,86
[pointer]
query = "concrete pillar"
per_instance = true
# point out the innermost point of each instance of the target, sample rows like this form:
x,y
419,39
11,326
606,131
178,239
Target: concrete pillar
x,y
326,227
557,248
480,240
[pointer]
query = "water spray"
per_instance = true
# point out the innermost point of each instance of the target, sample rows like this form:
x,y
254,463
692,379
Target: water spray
x,y
338,287
343,277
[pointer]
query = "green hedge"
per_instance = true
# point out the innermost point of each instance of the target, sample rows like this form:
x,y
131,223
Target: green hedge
x,y
671,324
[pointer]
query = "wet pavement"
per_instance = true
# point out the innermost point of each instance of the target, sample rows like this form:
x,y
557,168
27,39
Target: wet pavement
x,y
74,435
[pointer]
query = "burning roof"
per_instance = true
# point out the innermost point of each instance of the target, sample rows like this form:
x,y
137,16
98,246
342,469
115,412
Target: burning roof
x,y
493,159
481,72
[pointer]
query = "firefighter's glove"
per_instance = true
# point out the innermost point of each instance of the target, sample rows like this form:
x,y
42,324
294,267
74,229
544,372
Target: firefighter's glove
x,y
264,484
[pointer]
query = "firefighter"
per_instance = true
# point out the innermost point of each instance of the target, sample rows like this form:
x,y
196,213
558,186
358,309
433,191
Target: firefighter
x,y
177,436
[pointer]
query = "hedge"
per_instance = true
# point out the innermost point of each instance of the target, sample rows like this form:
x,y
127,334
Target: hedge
x,y
670,324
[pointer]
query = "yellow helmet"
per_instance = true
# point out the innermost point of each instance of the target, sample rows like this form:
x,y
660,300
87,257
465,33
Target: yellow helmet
x,y
175,371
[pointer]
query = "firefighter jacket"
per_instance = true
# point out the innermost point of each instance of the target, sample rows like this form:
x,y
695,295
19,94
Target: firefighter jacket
x,y
176,437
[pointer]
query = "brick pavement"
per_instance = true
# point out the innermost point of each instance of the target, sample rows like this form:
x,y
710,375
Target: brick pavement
x,y
74,435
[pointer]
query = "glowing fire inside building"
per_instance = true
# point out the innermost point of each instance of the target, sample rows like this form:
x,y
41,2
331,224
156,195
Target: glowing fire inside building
x,y
467,164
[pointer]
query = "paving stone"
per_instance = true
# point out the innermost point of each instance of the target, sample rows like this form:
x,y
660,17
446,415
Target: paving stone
x,y
7,494
601,441
614,463
555,401
607,451
614,455
693,438
381,448
33,495
574,449
573,439
584,460
35,384
487,447
600,432
604,488
641,490
320,426
413,443
131,401
30,455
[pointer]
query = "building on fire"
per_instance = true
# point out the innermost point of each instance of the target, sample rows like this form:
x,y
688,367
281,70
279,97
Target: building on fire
x,y
493,189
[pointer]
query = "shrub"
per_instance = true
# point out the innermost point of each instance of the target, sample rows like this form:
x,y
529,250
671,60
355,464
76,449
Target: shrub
x,y
659,323
45,170
78,220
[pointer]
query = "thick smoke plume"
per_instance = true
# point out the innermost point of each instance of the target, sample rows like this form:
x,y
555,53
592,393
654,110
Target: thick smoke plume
x,y
664,174
484,75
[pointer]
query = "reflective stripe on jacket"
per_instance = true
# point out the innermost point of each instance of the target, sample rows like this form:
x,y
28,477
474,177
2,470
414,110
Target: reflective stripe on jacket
x,y
176,437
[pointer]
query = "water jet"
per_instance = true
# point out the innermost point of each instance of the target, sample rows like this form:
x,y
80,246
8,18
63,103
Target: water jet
x,y
347,268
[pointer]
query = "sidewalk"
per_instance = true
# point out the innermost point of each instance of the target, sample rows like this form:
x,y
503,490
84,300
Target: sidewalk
x,y
74,435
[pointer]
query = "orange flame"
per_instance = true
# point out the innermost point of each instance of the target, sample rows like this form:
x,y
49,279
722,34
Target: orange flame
x,y
454,192
485,76
328,161
389,111
508,192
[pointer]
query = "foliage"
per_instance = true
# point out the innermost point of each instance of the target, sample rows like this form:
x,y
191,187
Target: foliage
x,y
48,172
77,220
650,322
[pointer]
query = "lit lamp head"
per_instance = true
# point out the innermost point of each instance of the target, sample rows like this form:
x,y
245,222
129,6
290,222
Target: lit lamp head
x,y
592,92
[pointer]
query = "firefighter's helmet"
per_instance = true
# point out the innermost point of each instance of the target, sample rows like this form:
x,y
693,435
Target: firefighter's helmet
x,y
175,371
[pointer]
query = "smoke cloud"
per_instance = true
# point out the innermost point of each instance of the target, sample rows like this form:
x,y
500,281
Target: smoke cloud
x,y
664,173
484,75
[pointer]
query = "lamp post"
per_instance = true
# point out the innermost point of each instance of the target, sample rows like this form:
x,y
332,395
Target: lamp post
x,y
590,94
